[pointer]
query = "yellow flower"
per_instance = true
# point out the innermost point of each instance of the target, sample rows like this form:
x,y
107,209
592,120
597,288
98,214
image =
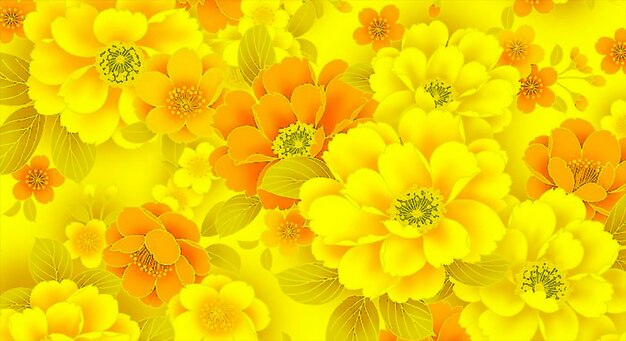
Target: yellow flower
x,y
62,311
86,241
560,285
263,12
458,73
431,197
94,57
217,309
180,200
616,123
195,169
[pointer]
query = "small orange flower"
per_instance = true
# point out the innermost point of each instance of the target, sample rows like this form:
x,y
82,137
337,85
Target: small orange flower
x,y
214,15
445,325
523,7
580,60
155,252
434,10
577,158
286,231
581,102
534,89
12,15
379,30
37,179
614,51
519,50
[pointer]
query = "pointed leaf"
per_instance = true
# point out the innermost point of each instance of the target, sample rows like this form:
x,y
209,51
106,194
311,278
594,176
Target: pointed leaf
x,y
616,225
17,299
208,225
355,319
308,49
171,150
49,261
310,283
556,55
285,177
248,244
507,17
30,210
106,282
358,75
137,133
411,320
156,328
73,157
255,52
19,137
266,259
14,209
489,270
236,213
302,20
559,104
224,257
13,77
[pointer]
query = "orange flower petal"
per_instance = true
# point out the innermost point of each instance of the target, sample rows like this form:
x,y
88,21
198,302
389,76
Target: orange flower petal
x,y
55,178
235,113
604,45
248,144
180,227
184,68
272,113
561,174
308,103
152,300
184,271
210,16
342,103
21,191
602,146
270,200
581,128
129,244
452,331
136,220
153,88
40,162
196,255
273,220
537,157
544,6
163,246
287,75
44,195
295,217
546,98
608,65
525,33
230,8
620,176
396,31
367,15
116,259
606,176
136,282
605,206
564,145
210,85
112,234
21,173
306,237
548,76
620,35
591,192
161,120
331,70
156,208
239,177
522,8
202,123
379,44
361,36
391,13
525,104
536,188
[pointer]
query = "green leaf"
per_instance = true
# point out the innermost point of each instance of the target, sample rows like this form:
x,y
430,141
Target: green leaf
x,y
248,244
208,225
319,7
236,213
489,270
355,319
13,77
30,210
255,52
19,137
310,283
446,290
266,259
411,320
137,133
106,282
224,257
559,104
507,17
171,150
285,177
49,261
14,209
302,20
156,328
308,49
17,299
616,225
73,157
358,75
556,55
79,212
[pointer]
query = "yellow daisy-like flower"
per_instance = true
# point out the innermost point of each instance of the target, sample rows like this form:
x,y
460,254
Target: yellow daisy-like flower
x,y
93,58
430,197
263,12
560,285
616,123
61,311
195,169
458,73
217,309
180,200
86,241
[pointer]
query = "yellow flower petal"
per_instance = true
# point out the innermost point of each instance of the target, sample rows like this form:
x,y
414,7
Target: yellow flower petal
x,y
428,131
360,268
589,295
74,32
393,256
369,189
47,293
113,25
65,318
193,296
536,221
424,284
560,325
566,207
501,298
403,167
452,167
99,311
238,293
445,64
564,251
187,326
185,68
426,38
522,326
445,243
600,249
259,314
30,324
617,278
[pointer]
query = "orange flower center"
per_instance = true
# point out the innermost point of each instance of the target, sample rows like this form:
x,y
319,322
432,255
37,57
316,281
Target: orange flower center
x,y
379,29
543,277
119,63
89,241
516,50
421,208
531,87
37,179
294,140
584,171
218,316
185,102
12,18
440,92
289,231
145,261
618,51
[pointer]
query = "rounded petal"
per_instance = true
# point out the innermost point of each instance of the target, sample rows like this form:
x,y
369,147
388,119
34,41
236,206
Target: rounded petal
x,y
161,120
153,88
86,93
560,325
21,191
168,286
367,15
113,25
360,268
537,221
452,166
136,220
590,192
74,33
44,195
247,144
137,282
604,45
238,293
561,174
55,177
602,146
179,226
188,326
308,103
211,84
565,145
424,284
272,113
196,255
99,311
501,298
510,328
403,167
185,68
369,189
445,243
163,246
194,296
64,318
589,295
393,256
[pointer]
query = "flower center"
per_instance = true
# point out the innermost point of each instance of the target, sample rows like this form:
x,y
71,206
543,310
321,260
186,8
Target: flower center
x,y
288,231
533,2
421,208
89,241
440,92
145,261
378,29
37,179
584,171
618,51
294,140
516,50
119,63
185,101
12,18
218,316
198,167
531,86
546,278
263,16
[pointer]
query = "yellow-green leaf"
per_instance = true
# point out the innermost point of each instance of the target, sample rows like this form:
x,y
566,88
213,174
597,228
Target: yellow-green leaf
x,y
411,320
616,225
137,133
302,20
310,283
446,290
556,55
319,7
106,282
73,157
19,137
156,328
49,261
17,299
171,150
255,52
224,257
559,104
13,77
248,244
355,319
308,49
208,225
489,270
236,213
14,209
507,17
285,177
358,75
266,259
30,210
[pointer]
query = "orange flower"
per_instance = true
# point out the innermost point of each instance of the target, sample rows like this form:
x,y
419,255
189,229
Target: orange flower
x,y
577,158
379,30
534,89
614,51
213,15
155,252
295,116
523,7
286,231
580,60
179,94
445,325
12,15
519,50
37,179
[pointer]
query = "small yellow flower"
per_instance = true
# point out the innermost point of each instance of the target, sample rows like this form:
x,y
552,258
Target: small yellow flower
x,y
180,200
616,123
86,241
195,169
263,12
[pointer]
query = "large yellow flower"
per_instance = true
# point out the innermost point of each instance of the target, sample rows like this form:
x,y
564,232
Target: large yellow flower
x,y
60,311
559,286
458,73
217,309
399,211
94,56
